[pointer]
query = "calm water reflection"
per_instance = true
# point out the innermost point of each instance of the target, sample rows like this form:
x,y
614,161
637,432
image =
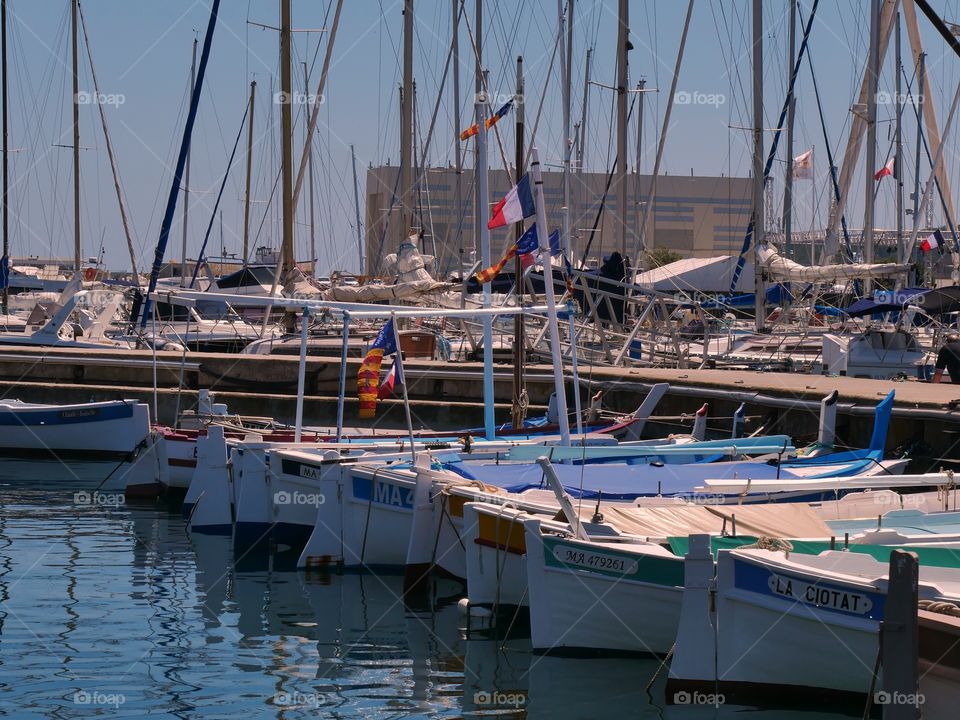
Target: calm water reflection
x,y
118,611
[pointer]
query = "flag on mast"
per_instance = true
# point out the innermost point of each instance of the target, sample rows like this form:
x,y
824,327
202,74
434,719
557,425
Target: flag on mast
x,y
368,378
517,205
489,122
526,247
803,166
887,169
393,380
933,241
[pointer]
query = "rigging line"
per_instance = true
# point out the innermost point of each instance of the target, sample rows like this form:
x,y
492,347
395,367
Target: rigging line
x,y
115,170
936,180
771,155
216,205
486,89
826,140
606,191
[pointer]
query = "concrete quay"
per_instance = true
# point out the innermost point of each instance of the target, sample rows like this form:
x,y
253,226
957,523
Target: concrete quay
x,y
448,395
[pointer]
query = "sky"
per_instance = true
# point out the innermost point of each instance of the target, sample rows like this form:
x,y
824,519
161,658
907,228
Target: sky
x,y
142,54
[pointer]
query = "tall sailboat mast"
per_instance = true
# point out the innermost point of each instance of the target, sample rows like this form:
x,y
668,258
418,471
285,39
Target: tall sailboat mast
x,y
76,137
873,75
791,113
566,59
483,238
406,127
759,230
623,35
457,154
6,148
286,139
519,411
356,207
309,141
186,180
246,196
897,163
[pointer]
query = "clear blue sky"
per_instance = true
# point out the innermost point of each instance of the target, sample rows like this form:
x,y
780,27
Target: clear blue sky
x,y
142,54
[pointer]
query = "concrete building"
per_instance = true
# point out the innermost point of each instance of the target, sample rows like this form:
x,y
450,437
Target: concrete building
x,y
694,216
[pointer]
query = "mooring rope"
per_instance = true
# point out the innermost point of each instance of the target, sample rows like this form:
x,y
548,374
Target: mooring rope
x,y
943,607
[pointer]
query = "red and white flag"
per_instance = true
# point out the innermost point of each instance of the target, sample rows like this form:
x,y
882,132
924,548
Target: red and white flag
x,y
933,241
885,170
803,166
393,380
516,206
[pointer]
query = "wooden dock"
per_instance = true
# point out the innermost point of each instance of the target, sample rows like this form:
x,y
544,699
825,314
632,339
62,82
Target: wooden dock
x,y
450,395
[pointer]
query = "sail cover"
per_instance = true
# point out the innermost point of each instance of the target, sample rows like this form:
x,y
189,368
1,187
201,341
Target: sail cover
x,y
777,267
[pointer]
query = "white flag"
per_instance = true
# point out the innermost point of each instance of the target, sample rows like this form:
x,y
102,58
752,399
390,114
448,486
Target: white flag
x,y
803,166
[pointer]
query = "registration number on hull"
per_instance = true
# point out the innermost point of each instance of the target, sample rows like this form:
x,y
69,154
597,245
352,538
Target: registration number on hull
x,y
594,561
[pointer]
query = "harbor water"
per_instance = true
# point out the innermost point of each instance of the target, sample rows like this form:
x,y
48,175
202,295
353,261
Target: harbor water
x,y
114,610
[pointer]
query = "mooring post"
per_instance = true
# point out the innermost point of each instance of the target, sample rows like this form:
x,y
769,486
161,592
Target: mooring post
x,y
899,649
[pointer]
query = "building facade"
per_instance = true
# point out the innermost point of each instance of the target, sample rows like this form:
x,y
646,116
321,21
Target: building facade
x,y
694,216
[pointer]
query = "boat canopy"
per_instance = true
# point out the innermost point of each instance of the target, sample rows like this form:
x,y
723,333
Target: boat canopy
x,y
933,302
702,275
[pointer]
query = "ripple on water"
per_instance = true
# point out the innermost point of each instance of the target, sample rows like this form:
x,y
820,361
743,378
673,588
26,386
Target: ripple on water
x,y
117,610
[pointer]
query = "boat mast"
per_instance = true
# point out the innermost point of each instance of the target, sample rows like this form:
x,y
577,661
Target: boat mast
x,y
759,231
662,142
286,139
246,198
873,73
855,139
6,150
623,35
76,140
406,127
309,141
791,112
582,142
186,179
566,59
636,186
483,237
356,205
457,155
897,163
110,154
519,392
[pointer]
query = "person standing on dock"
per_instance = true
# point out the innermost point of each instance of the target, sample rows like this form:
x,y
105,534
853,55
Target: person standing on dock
x,y
948,359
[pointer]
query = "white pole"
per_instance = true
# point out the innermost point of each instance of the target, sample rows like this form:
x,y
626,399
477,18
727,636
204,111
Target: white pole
x,y
483,197
302,371
542,239
576,375
398,359
343,374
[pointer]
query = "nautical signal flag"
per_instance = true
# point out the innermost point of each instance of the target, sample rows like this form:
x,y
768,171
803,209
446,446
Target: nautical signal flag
x,y
517,205
887,169
527,247
933,241
368,379
803,166
489,122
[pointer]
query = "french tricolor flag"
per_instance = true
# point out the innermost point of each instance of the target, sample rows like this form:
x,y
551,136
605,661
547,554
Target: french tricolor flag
x,y
393,379
517,205
933,241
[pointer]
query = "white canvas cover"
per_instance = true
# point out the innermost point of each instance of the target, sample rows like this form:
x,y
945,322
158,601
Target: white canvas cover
x,y
788,520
